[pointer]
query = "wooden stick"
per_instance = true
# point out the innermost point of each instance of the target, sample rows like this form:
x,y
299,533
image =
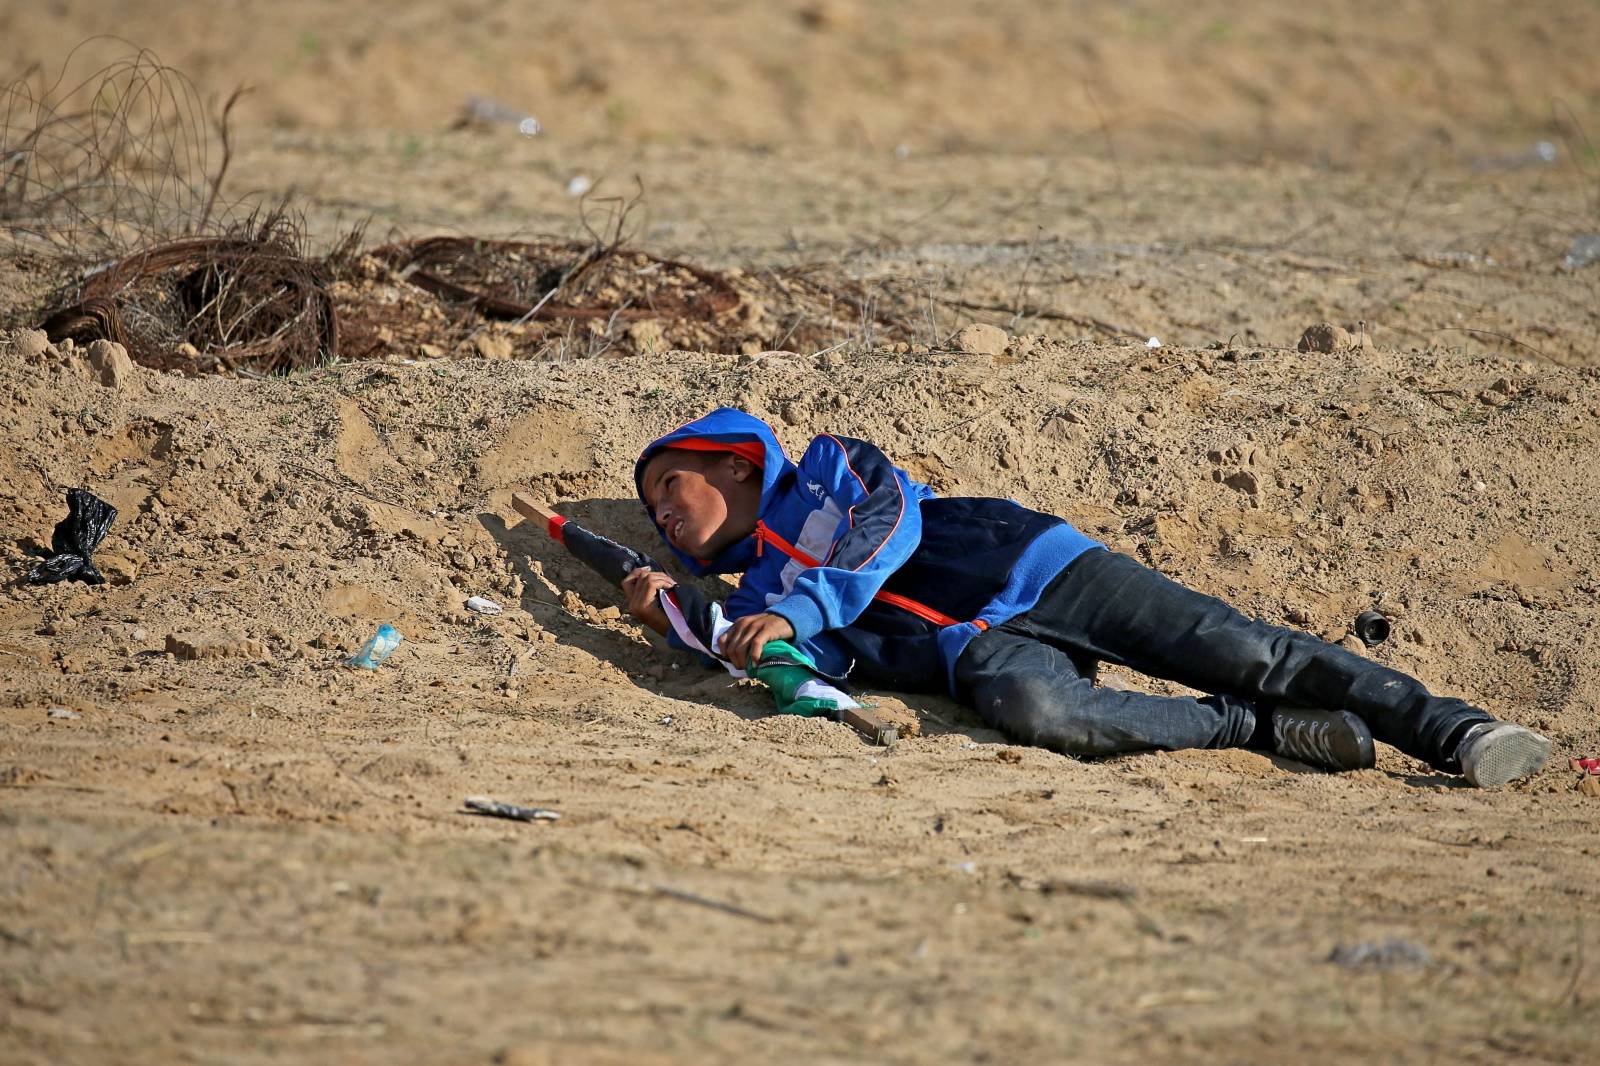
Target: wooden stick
x,y
526,507
870,726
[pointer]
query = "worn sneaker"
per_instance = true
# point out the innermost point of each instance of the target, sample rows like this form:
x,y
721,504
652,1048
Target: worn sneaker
x,y
1331,740
1496,753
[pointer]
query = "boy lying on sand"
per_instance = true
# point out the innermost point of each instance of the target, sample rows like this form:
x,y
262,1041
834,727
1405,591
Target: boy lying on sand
x,y
1012,611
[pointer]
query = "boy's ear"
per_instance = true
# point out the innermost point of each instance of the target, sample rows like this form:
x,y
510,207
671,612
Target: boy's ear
x,y
740,467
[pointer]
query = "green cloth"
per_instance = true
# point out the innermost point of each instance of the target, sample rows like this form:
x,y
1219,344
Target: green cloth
x,y
784,669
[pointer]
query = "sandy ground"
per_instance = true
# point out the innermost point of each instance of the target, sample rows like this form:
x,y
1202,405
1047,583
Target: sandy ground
x,y
257,856
1344,83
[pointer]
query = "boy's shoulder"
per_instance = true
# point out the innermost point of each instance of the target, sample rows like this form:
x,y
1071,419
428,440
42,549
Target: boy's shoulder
x,y
830,447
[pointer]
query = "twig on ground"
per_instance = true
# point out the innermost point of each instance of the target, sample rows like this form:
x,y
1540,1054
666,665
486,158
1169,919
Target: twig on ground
x,y
713,904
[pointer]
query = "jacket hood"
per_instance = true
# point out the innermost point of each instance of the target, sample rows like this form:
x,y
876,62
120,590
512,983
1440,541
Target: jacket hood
x,y
725,425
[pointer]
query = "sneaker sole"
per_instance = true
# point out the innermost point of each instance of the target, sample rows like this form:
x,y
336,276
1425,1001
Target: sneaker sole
x,y
1510,757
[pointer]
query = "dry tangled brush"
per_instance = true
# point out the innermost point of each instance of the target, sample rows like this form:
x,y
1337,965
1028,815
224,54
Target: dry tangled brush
x,y
249,300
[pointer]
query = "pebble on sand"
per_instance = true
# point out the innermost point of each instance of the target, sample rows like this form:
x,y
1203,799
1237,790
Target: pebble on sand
x,y
213,646
1329,338
982,339
111,363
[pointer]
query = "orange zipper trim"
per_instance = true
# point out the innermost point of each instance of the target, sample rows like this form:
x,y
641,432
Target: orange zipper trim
x,y
764,535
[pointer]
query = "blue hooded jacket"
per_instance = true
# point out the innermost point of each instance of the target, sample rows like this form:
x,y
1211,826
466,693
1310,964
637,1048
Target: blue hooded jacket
x,y
872,569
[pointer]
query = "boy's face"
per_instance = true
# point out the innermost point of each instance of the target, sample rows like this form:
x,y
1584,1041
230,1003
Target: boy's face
x,y
702,505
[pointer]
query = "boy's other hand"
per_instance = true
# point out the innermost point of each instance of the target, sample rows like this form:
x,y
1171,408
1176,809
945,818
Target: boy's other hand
x,y
640,588
742,643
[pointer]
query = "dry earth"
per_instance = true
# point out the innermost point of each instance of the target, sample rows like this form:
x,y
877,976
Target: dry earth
x,y
1208,79
256,856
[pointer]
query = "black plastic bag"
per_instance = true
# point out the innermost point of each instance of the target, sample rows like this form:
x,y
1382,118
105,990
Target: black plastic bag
x,y
88,519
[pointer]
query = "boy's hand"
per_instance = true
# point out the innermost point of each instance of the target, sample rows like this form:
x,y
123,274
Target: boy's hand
x,y
742,643
640,588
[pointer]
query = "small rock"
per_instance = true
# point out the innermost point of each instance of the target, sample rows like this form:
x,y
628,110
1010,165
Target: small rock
x,y
1325,337
1585,250
492,345
1385,956
213,646
117,568
1244,481
1590,786
1353,643
110,361
981,339
30,343
63,714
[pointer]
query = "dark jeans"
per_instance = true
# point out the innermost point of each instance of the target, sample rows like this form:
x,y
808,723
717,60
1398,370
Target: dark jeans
x,y
1032,678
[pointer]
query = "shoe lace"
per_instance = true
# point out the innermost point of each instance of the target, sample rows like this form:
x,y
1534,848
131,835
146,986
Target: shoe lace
x,y
1304,736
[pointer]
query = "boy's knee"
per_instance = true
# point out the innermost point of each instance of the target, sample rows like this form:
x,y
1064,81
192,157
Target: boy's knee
x,y
1037,710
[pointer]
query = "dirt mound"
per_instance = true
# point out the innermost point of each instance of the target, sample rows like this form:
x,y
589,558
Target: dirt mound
x,y
1242,472
288,517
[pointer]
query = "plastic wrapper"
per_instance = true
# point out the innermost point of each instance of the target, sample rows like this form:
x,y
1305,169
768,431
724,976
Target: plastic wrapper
x,y
496,809
88,520
376,650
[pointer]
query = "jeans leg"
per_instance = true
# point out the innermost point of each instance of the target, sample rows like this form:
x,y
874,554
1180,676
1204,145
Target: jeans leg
x,y
1115,609
1036,694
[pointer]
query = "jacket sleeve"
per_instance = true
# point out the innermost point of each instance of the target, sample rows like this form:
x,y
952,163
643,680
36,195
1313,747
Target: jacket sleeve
x,y
882,527
746,599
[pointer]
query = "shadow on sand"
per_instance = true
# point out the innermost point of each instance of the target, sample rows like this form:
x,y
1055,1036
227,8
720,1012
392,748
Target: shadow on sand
x,y
650,668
